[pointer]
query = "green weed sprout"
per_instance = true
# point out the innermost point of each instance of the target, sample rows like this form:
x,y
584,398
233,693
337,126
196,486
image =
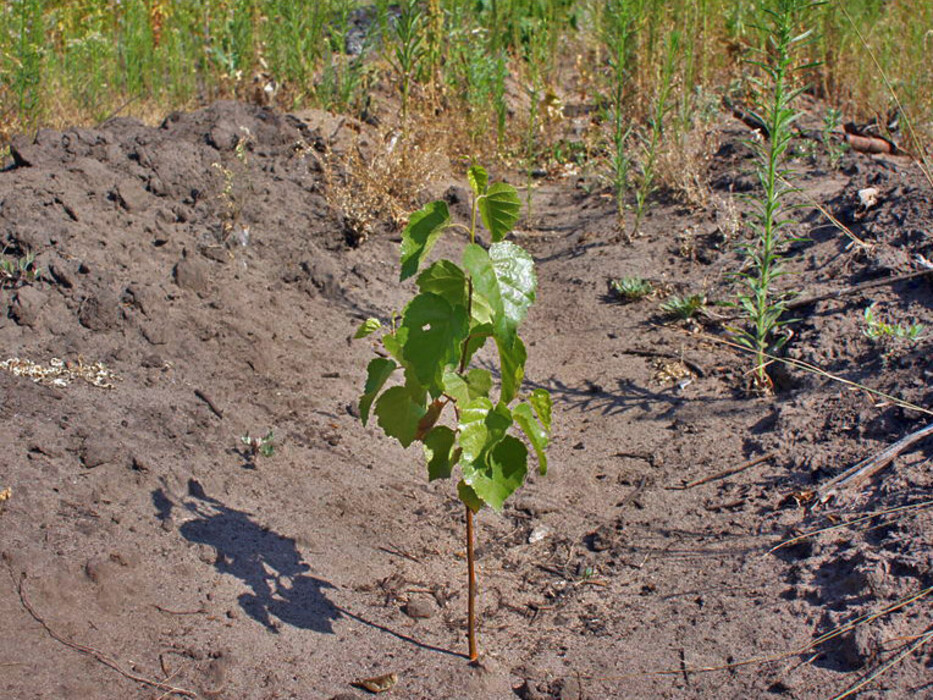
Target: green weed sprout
x,y
762,308
684,307
835,148
410,50
15,272
259,446
456,311
631,288
878,330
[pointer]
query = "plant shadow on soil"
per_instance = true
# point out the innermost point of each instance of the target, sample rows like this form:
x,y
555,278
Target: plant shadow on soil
x,y
267,562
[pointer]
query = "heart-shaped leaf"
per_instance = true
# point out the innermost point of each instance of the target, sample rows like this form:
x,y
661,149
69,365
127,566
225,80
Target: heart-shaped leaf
x,y
422,232
500,208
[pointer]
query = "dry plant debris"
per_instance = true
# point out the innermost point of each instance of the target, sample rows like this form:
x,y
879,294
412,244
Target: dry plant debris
x,y
60,372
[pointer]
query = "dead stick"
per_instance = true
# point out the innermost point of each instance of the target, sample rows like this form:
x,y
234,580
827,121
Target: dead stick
x,y
94,653
471,593
855,289
722,475
210,404
868,467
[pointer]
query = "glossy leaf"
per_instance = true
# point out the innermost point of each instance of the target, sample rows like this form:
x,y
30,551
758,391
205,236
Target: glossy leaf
x,y
436,331
422,232
377,373
512,360
439,451
399,415
534,431
502,473
517,282
478,179
368,327
472,426
446,280
486,297
540,400
469,497
500,208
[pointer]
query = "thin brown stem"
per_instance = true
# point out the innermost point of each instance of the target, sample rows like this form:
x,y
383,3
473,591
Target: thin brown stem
x,y
471,594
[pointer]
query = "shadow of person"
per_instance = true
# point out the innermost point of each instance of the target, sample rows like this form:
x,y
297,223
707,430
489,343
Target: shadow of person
x,y
267,562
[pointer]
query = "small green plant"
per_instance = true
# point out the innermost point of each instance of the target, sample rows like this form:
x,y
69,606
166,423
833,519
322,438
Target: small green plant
x,y
684,307
662,105
631,288
764,255
431,344
410,50
835,147
258,446
619,29
876,329
15,272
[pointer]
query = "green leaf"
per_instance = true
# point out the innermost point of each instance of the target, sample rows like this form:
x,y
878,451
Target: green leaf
x,y
516,275
436,331
473,385
478,179
534,431
472,426
540,399
399,415
422,232
438,450
445,279
502,474
377,373
469,497
500,208
369,326
478,337
486,298
395,343
512,360
479,382
456,387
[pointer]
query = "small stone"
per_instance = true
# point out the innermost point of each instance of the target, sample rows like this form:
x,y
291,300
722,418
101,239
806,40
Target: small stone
x,y
419,609
538,534
131,196
26,306
191,274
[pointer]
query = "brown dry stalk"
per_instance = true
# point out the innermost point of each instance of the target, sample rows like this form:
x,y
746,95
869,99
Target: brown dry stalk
x,y
861,518
89,651
832,634
868,467
807,367
884,668
723,474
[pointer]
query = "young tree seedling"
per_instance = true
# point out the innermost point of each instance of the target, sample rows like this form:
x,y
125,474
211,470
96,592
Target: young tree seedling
x,y
457,309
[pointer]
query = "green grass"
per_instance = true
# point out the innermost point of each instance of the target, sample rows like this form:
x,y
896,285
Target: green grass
x,y
497,61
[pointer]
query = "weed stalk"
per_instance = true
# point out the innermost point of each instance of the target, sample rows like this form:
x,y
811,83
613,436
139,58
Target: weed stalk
x,y
763,308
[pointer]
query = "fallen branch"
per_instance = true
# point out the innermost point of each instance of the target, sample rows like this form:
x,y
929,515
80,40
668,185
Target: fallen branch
x,y
93,653
723,474
855,289
869,467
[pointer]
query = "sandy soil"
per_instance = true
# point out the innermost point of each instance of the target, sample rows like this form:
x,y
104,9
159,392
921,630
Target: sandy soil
x,y
144,549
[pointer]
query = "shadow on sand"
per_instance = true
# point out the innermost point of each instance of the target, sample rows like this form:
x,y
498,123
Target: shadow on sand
x,y
267,562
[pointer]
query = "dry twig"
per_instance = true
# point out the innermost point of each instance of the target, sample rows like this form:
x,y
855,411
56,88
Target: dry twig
x,y
89,651
868,467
